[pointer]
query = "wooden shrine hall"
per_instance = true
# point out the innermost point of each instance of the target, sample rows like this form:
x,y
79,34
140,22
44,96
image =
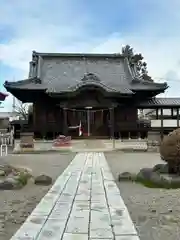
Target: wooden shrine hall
x,y
99,93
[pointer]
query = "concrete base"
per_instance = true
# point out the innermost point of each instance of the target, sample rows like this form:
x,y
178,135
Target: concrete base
x,y
88,146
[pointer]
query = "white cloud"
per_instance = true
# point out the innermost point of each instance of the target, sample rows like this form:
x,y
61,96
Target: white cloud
x,y
41,26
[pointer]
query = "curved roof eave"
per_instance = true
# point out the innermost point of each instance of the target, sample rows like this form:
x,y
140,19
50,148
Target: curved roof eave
x,y
78,86
26,84
140,84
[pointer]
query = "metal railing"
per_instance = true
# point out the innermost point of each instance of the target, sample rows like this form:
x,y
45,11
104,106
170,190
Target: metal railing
x,y
6,139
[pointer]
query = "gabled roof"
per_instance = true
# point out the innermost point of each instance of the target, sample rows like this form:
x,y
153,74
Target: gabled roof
x,y
161,102
141,84
30,83
67,72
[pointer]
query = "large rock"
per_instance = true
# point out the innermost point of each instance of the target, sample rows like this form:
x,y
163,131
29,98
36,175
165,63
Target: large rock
x,y
174,180
161,168
2,173
145,173
9,184
6,168
150,178
126,176
4,185
43,180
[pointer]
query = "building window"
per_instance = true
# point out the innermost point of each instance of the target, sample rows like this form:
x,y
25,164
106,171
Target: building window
x,y
174,112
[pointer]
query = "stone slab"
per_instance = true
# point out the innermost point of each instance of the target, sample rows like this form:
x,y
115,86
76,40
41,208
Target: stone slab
x,y
84,203
70,236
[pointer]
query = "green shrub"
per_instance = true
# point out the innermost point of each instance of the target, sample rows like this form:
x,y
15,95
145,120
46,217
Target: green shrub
x,y
23,178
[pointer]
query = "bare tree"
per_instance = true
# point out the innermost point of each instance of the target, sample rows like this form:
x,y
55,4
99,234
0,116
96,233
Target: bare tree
x,y
23,109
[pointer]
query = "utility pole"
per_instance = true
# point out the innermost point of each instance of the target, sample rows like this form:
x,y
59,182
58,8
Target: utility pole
x,y
14,101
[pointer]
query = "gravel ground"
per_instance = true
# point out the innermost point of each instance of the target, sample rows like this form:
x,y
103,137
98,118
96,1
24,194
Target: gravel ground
x,y
155,212
15,206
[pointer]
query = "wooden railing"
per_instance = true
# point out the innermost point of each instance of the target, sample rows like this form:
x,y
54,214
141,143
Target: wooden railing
x,y
7,138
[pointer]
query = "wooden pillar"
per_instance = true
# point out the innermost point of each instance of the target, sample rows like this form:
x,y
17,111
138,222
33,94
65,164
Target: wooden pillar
x,y
139,135
111,110
157,114
162,118
172,112
129,135
65,129
34,119
120,135
178,117
44,121
34,114
112,125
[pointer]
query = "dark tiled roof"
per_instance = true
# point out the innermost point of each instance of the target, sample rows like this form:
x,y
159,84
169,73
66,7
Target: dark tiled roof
x,y
139,84
25,84
107,87
64,72
80,55
162,102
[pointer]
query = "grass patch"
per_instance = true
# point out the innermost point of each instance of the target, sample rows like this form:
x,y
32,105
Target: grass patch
x,y
23,178
154,183
151,184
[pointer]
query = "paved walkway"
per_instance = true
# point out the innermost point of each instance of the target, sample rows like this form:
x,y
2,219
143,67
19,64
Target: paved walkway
x,y
83,204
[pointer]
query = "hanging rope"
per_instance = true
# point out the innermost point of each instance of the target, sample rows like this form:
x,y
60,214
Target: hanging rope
x,y
85,110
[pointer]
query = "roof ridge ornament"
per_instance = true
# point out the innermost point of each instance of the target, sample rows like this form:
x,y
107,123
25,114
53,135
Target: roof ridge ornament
x,y
36,80
90,77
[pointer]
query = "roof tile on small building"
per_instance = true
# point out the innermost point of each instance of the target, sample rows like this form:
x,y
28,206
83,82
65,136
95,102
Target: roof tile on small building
x,y
162,102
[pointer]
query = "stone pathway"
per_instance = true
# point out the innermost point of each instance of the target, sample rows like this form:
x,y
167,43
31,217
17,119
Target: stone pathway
x,y
83,204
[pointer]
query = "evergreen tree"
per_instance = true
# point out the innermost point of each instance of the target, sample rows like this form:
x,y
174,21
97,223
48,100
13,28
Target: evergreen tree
x,y
136,61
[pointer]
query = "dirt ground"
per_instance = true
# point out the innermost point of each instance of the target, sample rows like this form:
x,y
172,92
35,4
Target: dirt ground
x,y
16,205
155,212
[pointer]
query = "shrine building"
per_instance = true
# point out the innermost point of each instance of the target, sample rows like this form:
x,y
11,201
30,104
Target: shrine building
x,y
101,93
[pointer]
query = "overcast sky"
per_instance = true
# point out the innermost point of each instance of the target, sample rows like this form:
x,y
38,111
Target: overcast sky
x,y
150,26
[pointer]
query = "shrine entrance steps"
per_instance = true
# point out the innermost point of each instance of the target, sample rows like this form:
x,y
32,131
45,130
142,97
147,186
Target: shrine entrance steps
x,y
83,204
